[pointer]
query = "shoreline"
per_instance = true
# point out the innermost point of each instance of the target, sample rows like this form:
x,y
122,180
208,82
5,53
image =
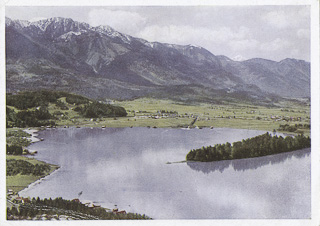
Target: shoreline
x,y
34,134
38,181
34,131
30,157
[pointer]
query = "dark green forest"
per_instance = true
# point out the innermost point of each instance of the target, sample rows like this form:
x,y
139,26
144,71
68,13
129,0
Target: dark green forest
x,y
96,110
60,206
14,150
262,145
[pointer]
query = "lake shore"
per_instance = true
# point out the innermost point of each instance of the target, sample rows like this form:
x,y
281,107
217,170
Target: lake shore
x,y
34,135
17,183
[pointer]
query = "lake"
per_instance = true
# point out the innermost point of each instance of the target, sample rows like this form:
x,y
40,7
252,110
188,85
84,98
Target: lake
x,y
128,167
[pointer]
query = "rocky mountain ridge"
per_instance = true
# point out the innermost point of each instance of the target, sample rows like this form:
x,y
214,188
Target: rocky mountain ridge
x,y
100,62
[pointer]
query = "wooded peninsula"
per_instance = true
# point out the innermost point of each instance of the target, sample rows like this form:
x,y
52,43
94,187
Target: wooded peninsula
x,y
258,146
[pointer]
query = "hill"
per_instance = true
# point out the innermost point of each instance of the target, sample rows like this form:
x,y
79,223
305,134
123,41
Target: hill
x,y
44,108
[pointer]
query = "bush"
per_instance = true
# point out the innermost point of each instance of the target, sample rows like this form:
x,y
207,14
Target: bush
x,y
14,150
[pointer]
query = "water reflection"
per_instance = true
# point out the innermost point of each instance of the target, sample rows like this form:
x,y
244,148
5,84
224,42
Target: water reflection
x,y
247,164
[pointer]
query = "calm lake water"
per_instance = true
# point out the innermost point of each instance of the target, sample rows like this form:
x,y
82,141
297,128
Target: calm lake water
x,y
127,167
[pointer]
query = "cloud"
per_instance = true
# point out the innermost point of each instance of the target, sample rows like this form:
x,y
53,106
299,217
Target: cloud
x,y
223,40
37,19
275,45
293,18
295,53
185,34
277,19
172,33
303,33
124,21
244,44
239,58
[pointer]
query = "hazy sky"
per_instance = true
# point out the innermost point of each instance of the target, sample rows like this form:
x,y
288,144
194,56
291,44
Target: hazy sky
x,y
239,32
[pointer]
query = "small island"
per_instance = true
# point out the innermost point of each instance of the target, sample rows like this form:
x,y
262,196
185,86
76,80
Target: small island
x,y
258,146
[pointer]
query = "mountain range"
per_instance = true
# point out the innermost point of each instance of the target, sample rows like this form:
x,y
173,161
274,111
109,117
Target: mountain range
x,y
102,63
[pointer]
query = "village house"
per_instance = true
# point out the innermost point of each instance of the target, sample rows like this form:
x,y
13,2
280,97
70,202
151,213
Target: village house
x,y
22,200
10,192
116,211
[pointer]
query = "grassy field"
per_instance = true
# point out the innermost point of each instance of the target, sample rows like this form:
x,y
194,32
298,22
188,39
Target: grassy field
x,y
209,115
19,182
145,112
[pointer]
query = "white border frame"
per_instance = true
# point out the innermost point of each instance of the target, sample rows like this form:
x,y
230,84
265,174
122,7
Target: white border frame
x,y
315,111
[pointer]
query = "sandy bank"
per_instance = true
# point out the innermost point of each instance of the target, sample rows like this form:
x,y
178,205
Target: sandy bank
x,y
34,134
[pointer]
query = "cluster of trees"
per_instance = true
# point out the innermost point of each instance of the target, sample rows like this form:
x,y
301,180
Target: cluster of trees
x,y
29,118
293,128
17,133
262,145
14,150
16,140
61,206
61,105
96,110
76,99
25,100
168,112
22,167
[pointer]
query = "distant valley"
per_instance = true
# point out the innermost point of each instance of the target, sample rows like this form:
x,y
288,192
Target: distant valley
x,y
102,63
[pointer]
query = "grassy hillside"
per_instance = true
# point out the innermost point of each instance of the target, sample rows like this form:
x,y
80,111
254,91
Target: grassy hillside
x,y
47,108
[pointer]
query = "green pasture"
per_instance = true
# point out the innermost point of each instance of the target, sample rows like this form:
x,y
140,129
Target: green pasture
x,y
19,182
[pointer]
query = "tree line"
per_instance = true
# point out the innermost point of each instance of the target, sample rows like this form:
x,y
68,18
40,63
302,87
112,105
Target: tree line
x,y
293,128
59,206
29,118
261,145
